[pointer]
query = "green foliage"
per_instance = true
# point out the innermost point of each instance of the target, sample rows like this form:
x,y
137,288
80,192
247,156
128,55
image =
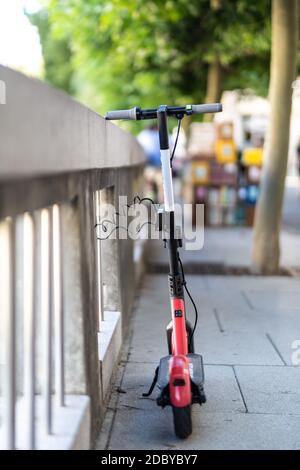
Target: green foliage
x,y
57,53
131,52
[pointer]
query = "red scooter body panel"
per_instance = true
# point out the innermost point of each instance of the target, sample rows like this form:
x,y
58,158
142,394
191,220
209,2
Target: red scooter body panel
x,y
179,335
180,383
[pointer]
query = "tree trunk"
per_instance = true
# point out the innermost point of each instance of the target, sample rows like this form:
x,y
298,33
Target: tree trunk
x,y
214,85
214,75
266,250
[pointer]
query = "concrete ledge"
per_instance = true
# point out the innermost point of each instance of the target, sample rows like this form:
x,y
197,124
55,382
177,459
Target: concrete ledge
x,y
71,425
109,345
50,124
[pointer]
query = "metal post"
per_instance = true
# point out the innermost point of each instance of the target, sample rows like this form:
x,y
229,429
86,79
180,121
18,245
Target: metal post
x,y
99,265
8,326
29,312
58,305
46,310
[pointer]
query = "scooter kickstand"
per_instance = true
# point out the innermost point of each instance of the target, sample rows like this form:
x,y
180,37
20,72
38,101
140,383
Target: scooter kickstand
x,y
153,384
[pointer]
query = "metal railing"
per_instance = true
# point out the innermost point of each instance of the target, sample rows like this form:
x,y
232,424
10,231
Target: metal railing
x,y
53,167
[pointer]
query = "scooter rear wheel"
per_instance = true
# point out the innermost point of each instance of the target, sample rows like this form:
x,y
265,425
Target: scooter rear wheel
x,y
182,421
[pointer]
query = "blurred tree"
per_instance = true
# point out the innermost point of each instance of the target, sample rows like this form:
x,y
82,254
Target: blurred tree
x,y
215,72
151,51
58,68
266,250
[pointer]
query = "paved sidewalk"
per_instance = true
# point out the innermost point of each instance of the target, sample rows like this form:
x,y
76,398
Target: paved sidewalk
x,y
291,206
246,329
230,247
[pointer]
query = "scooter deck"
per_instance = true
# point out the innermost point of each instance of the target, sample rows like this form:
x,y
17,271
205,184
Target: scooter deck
x,y
196,370
196,375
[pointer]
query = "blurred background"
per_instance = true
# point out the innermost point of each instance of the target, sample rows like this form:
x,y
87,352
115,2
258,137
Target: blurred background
x,y
124,53
66,294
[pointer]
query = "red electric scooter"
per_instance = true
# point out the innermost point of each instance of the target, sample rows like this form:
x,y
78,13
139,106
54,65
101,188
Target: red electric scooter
x,y
180,375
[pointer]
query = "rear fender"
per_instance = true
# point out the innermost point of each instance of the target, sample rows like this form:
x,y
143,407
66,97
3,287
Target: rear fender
x,y
179,381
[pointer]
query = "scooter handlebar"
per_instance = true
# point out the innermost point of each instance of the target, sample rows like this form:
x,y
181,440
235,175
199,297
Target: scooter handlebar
x,y
206,108
124,114
175,111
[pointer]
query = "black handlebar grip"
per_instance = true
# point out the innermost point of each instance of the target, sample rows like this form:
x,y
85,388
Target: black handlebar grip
x,y
206,108
124,114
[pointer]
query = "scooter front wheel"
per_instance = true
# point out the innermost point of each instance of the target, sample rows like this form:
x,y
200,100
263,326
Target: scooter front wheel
x,y
182,421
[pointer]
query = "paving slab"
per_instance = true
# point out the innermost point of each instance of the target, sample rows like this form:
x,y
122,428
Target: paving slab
x,y
274,298
237,347
241,342
221,389
136,429
270,389
223,283
231,247
287,344
281,327
246,326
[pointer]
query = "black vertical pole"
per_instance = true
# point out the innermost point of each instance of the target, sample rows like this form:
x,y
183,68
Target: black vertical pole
x,y
172,242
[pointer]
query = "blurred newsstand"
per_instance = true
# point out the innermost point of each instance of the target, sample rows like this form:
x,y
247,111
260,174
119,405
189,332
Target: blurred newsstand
x,y
219,176
222,168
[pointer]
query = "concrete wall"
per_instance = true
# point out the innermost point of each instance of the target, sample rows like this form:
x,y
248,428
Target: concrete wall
x,y
44,131
55,151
